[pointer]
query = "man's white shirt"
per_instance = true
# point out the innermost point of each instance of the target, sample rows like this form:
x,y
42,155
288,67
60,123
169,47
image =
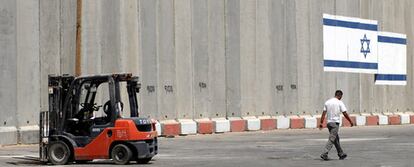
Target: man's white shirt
x,y
334,108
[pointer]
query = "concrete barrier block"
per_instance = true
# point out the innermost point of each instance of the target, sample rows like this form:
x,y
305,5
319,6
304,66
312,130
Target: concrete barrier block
x,y
170,128
361,120
188,127
318,122
221,125
372,120
204,126
311,122
345,122
282,122
297,123
253,124
394,120
382,120
29,134
405,118
268,123
238,125
158,128
8,135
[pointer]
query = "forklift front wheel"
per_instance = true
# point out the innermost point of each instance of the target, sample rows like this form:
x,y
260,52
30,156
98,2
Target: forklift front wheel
x,y
121,154
59,153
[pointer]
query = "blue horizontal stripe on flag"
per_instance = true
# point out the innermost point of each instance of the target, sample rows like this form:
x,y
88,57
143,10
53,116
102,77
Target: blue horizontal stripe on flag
x,y
391,77
392,40
349,24
350,64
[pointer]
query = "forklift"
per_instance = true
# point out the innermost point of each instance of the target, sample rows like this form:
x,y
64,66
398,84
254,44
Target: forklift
x,y
73,130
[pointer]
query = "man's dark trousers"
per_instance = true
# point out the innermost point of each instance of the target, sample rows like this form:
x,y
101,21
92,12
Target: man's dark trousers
x,y
333,139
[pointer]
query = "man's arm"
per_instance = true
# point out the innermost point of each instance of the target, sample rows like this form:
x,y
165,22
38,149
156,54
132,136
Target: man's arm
x,y
349,119
322,119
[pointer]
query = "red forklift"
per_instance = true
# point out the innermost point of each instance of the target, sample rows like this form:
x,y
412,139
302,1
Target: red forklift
x,y
84,121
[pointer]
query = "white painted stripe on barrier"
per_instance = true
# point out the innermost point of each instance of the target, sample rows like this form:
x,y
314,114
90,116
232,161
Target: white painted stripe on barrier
x,y
405,118
158,128
283,122
8,129
310,122
361,120
188,127
383,119
253,124
221,125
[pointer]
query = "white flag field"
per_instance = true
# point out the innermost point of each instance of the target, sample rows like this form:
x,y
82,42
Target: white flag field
x,y
355,45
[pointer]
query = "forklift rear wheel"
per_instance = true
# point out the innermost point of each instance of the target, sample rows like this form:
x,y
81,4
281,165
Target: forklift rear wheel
x,y
59,153
121,154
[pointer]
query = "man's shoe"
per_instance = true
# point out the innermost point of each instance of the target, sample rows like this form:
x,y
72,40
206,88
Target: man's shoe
x,y
343,156
324,157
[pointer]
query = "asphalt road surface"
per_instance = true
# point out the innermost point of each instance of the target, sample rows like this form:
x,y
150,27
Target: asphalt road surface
x,y
379,146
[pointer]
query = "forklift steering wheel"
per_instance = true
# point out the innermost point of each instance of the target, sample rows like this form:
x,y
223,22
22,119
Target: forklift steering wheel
x,y
107,109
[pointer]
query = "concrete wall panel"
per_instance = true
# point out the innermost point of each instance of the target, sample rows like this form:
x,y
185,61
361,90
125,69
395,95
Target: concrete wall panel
x,y
8,63
304,63
216,64
148,42
166,59
28,70
278,35
68,36
184,70
233,58
290,75
92,39
248,57
264,60
199,49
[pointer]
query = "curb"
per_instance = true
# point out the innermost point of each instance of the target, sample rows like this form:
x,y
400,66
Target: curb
x,y
170,128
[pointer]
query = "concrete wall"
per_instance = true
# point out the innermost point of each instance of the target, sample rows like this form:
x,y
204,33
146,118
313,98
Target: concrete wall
x,y
196,58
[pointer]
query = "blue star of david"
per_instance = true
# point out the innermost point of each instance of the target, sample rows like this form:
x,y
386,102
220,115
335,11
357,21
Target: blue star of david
x,y
365,51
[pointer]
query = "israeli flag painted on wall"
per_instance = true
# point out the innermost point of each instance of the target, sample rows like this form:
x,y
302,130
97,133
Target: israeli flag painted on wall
x,y
392,59
350,44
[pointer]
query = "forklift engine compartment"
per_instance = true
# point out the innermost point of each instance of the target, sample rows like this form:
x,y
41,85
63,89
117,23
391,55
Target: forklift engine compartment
x,y
84,121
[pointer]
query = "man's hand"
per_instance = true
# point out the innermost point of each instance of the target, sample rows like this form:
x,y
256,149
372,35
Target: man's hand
x,y
320,126
352,124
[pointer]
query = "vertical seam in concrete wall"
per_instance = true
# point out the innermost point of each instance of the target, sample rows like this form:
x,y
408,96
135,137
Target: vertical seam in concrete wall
x,y
225,56
40,61
78,37
60,35
192,61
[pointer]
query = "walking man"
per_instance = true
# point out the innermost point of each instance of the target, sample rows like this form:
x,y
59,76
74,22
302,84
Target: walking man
x,y
333,108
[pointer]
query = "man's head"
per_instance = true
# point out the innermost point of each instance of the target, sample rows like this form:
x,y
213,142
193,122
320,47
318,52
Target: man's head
x,y
338,94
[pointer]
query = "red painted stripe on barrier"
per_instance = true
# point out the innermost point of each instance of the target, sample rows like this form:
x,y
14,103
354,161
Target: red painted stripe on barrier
x,y
372,120
318,122
345,122
268,124
205,127
297,123
412,119
237,125
171,129
394,120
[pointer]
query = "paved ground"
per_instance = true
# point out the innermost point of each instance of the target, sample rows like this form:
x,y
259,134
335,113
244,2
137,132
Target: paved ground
x,y
381,146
